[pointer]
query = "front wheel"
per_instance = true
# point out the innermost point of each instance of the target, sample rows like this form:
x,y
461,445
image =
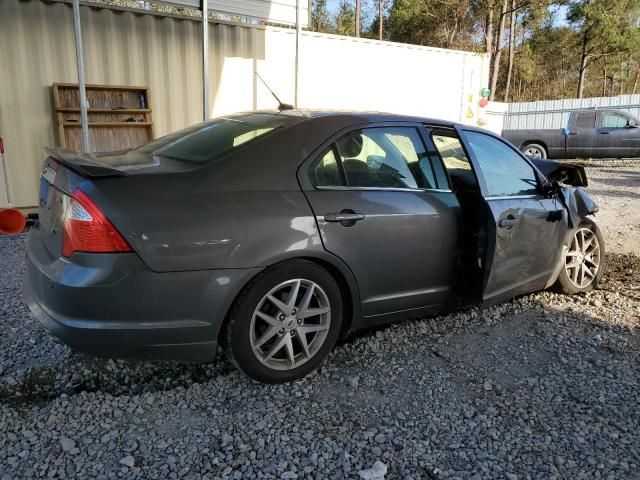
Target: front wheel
x,y
584,260
285,322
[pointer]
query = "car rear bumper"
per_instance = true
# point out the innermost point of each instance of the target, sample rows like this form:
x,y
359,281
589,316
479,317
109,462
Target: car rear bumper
x,y
112,305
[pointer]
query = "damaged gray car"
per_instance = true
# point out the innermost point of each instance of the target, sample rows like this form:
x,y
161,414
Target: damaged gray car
x,y
273,234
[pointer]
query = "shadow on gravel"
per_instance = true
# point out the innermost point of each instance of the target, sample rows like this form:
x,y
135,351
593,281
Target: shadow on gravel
x,y
609,193
633,174
81,373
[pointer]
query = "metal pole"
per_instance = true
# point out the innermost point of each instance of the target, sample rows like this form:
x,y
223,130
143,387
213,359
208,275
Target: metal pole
x,y
5,173
82,90
298,34
205,59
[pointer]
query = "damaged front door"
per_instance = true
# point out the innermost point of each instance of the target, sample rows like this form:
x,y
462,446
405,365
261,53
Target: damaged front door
x,y
528,228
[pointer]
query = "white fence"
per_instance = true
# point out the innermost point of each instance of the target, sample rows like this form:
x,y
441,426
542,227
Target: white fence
x,y
125,47
555,113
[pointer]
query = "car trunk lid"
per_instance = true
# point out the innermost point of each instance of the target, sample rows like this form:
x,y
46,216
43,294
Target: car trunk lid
x,y
66,170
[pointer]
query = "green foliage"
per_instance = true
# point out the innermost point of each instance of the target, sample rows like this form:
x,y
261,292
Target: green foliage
x,y
320,17
606,27
441,23
345,22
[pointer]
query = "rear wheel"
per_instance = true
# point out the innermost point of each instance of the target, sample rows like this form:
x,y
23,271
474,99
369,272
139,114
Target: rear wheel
x,y
535,150
285,322
584,260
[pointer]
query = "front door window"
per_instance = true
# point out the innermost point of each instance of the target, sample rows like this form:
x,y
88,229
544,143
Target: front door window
x,y
505,172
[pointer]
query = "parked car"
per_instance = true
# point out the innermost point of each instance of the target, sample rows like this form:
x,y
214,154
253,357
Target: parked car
x,y
592,133
274,233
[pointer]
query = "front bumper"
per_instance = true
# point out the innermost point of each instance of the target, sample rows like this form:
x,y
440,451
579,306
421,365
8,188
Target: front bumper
x,y
112,305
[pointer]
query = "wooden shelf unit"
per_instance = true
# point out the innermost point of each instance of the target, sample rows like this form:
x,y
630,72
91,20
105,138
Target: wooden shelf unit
x,y
120,116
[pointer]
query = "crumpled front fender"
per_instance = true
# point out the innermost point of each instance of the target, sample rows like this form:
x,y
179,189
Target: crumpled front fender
x,y
578,203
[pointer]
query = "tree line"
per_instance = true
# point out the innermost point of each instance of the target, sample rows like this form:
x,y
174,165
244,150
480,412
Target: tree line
x,y
538,49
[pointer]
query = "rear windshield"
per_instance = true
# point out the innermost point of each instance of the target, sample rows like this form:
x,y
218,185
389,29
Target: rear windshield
x,y
209,140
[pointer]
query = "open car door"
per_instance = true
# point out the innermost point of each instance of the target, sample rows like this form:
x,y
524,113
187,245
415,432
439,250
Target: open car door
x,y
525,227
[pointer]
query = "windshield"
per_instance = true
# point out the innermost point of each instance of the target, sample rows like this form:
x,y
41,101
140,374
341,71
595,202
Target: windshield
x,y
209,140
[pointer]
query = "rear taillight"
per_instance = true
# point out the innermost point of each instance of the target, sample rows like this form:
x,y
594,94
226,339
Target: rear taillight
x,y
86,229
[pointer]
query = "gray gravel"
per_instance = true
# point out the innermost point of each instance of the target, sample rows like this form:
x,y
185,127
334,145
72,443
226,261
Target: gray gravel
x,y
545,386
616,187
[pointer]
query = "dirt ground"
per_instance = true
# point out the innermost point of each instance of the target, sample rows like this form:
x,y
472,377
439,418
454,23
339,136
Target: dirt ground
x,y
616,187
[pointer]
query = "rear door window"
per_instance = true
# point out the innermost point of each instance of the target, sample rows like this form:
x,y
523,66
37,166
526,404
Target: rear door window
x,y
384,157
326,172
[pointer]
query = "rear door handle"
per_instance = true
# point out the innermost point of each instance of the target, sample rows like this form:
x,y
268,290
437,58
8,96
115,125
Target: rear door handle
x,y
605,133
508,222
346,218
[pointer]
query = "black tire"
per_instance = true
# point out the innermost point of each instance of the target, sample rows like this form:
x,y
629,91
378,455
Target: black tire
x,y
238,334
531,148
564,284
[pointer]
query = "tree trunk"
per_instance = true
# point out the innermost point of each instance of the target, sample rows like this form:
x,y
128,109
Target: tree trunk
x,y
583,74
512,49
381,13
584,60
495,63
604,81
488,36
635,82
358,6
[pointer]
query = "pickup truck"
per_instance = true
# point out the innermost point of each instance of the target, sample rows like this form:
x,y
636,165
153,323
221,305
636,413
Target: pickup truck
x,y
592,133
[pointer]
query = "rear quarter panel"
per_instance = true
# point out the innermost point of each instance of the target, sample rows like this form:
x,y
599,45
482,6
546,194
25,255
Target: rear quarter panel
x,y
173,231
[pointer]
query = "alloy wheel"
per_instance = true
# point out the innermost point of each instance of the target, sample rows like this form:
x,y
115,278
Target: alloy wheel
x,y
290,324
533,152
582,261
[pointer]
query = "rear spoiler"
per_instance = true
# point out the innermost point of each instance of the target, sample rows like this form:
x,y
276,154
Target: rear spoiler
x,y
86,164
560,172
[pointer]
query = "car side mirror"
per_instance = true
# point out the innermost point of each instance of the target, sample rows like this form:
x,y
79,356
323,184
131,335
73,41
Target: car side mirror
x,y
631,123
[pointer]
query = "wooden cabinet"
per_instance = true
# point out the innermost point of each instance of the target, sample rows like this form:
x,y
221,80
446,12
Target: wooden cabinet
x,y
119,116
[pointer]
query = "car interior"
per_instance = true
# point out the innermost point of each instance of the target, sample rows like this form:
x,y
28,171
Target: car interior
x,y
474,220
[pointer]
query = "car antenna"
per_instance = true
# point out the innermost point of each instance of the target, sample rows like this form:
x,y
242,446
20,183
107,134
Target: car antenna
x,y
281,106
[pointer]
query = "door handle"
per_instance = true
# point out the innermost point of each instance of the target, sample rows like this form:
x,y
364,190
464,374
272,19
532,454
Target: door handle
x,y
346,218
605,133
508,222
574,133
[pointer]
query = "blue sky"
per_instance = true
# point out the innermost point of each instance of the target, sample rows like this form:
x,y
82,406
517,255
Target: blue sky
x,y
332,5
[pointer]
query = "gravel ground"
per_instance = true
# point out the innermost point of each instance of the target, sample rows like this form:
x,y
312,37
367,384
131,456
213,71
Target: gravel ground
x,y
616,187
545,386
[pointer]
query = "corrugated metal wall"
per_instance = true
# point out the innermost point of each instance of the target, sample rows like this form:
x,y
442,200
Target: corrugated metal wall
x,y
555,113
164,53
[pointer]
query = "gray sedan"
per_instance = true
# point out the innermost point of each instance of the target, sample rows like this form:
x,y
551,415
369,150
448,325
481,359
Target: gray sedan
x,y
275,233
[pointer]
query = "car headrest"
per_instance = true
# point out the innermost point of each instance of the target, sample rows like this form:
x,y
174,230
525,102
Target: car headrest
x,y
355,165
350,145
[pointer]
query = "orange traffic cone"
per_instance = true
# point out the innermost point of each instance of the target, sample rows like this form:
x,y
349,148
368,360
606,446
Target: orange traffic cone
x,y
11,221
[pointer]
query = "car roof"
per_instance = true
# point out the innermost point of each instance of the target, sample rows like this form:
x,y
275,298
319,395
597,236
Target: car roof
x,y
365,116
